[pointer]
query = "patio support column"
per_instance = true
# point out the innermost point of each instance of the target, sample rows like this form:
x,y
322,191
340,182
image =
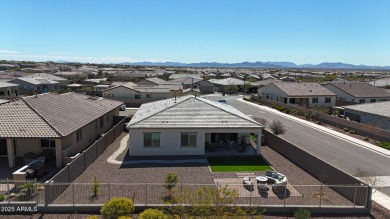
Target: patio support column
x,y
58,152
258,145
10,153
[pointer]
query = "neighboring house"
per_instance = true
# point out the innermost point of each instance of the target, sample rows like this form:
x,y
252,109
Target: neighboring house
x,y
305,94
189,91
101,87
287,79
75,87
185,125
73,75
383,82
153,82
262,83
357,92
8,89
134,96
63,82
176,76
222,84
64,123
204,87
375,114
39,85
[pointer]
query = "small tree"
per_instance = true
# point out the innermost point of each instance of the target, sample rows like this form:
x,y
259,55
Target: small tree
x,y
302,214
170,182
277,127
95,187
231,88
369,178
117,207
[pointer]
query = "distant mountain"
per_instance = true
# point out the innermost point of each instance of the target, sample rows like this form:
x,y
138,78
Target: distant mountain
x,y
61,61
324,65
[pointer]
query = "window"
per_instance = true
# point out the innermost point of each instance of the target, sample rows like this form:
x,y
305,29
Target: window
x,y
148,96
137,96
362,101
151,139
328,100
188,139
314,100
79,135
46,143
373,100
101,122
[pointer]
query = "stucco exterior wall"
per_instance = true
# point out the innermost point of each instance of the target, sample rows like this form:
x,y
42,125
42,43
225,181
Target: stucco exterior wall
x,y
23,146
341,95
170,141
9,92
369,119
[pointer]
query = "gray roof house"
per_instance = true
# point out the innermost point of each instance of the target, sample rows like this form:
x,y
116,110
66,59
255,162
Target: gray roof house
x,y
357,92
8,90
188,125
376,114
62,81
222,84
205,87
37,84
62,123
305,94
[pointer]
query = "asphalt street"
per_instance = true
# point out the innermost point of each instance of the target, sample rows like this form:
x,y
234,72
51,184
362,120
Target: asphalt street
x,y
342,154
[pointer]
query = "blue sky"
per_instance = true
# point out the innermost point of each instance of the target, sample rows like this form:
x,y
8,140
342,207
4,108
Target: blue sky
x,y
301,31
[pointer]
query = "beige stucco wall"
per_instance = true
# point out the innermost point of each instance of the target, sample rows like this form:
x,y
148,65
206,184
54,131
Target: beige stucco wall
x,y
13,91
23,146
128,96
170,141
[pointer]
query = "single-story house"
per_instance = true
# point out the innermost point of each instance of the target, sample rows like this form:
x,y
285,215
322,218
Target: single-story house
x,y
382,83
186,125
37,84
8,89
223,84
357,92
65,124
134,96
305,94
204,87
375,114
62,81
153,82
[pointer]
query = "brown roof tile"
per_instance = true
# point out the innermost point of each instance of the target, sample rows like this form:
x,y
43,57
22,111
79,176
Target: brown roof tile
x,y
360,89
303,89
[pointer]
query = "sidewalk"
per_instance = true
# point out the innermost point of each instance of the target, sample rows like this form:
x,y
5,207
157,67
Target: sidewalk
x,y
377,196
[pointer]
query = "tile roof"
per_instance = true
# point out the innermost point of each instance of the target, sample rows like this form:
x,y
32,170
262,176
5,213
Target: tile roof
x,y
157,80
35,80
190,112
46,76
360,89
186,80
378,108
69,112
303,89
19,120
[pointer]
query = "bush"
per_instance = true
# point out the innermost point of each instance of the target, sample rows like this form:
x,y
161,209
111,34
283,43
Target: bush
x,y
277,127
92,217
95,187
2,197
263,121
302,214
117,207
29,187
366,138
352,131
125,217
152,214
346,129
170,182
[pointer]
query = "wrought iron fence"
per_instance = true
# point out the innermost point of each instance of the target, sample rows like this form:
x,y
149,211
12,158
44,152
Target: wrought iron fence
x,y
154,194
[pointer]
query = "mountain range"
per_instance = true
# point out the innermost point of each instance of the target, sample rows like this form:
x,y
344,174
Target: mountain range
x,y
324,65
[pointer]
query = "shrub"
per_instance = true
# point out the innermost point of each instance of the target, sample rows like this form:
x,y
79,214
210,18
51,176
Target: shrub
x,y
93,217
125,217
152,214
384,144
263,121
346,129
2,197
117,207
366,138
29,187
302,214
352,131
319,123
277,127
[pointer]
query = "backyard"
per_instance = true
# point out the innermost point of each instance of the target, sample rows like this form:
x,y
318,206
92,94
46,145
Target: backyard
x,y
238,164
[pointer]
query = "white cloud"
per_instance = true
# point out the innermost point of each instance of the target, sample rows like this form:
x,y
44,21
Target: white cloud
x,y
3,51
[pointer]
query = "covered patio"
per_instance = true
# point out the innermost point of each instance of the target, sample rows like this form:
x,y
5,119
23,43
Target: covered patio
x,y
230,143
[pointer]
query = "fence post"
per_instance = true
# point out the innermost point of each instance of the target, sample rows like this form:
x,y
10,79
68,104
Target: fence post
x,y
320,195
146,194
285,195
73,193
8,181
109,191
250,198
181,190
36,190
97,151
354,198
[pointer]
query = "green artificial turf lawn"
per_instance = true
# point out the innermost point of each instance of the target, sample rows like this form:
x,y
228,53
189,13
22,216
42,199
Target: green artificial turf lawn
x,y
237,164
